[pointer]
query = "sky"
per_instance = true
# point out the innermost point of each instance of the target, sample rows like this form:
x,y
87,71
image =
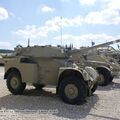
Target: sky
x,y
53,22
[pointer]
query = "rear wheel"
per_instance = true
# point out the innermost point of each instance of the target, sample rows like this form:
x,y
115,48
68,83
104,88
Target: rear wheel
x,y
14,83
73,90
104,77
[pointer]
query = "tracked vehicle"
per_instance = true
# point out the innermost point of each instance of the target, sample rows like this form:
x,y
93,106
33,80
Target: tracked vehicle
x,y
47,65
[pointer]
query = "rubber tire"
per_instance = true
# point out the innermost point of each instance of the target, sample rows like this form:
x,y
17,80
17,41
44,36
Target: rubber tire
x,y
38,86
106,75
82,90
111,78
19,90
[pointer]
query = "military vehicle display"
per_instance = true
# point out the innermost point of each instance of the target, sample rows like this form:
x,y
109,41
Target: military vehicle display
x,y
107,67
47,65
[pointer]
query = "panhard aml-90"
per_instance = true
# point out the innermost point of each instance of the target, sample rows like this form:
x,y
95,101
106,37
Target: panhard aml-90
x,y
48,65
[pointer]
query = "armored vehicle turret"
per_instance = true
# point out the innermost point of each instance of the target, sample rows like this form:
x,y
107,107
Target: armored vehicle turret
x,y
47,65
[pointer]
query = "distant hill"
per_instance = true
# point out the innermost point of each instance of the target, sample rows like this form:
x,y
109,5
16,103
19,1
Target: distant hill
x,y
5,51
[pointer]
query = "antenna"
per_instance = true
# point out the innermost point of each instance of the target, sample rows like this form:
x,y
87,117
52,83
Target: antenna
x,y
28,42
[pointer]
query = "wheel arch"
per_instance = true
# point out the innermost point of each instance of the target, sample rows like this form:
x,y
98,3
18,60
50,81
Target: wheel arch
x,y
103,68
69,72
13,69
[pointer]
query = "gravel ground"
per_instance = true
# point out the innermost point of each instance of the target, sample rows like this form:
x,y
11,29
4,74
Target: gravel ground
x,y
37,105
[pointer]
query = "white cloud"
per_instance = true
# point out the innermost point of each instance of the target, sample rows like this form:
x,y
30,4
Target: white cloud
x,y
109,15
87,2
106,16
76,21
66,22
31,31
113,4
3,14
85,39
53,25
47,9
5,45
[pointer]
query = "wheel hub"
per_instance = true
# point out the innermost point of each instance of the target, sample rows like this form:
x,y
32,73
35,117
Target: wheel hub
x,y
14,82
71,91
101,81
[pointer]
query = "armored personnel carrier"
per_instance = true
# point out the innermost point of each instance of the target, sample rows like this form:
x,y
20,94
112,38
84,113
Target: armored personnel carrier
x,y
106,66
47,65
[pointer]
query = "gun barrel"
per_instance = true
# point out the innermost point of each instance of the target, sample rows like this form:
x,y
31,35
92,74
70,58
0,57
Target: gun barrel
x,y
93,47
108,43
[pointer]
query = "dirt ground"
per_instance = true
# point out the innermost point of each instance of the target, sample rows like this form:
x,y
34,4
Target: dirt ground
x,y
45,104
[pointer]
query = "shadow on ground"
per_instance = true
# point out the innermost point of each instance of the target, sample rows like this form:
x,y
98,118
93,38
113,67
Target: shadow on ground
x,y
111,86
45,100
102,116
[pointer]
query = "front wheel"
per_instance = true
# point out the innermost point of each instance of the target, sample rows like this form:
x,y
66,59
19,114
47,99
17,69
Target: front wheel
x,y
73,90
14,83
111,78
